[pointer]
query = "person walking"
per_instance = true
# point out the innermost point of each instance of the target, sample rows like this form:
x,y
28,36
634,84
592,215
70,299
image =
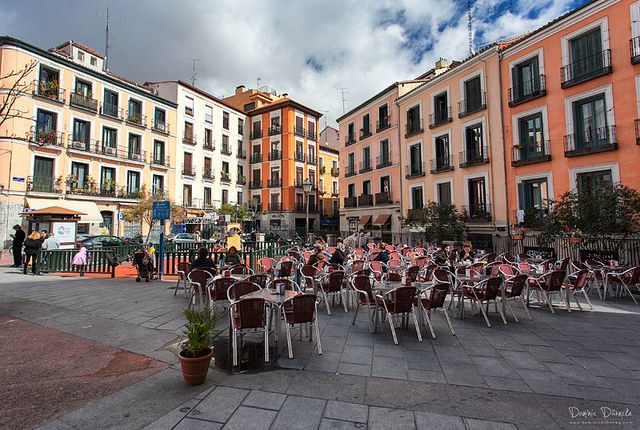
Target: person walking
x,y
31,247
16,246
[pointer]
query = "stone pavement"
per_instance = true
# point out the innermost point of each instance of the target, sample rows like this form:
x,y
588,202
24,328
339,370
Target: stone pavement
x,y
534,374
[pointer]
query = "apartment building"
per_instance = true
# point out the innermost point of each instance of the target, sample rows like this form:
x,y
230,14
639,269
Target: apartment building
x,y
571,99
211,148
451,144
329,171
88,140
283,156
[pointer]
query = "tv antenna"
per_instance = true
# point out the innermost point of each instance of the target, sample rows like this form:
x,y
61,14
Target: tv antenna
x,y
194,70
106,44
469,27
325,112
343,92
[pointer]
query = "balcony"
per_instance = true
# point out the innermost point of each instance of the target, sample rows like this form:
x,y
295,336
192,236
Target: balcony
x,y
225,177
477,212
88,190
81,101
441,164
474,156
365,166
525,91
299,131
383,198
209,146
48,90
189,171
311,159
160,126
335,172
414,170
42,185
414,128
634,47
159,160
587,68
365,132
590,142
226,149
274,183
189,139
255,185
275,207
349,140
351,170
112,111
534,152
383,124
300,207
45,137
255,158
365,200
256,134
275,155
299,156
137,156
274,130
241,153
80,143
104,148
416,214
311,134
351,202
135,118
241,180
472,104
207,174
440,117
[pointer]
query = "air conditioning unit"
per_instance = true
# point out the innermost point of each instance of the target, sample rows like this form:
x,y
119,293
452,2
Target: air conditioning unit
x,y
135,157
108,150
77,144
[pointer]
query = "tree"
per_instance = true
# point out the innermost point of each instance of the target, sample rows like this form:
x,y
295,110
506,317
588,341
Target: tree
x,y
14,85
143,210
439,222
237,213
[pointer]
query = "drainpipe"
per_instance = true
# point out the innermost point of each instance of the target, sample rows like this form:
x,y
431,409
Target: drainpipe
x,y
504,152
399,163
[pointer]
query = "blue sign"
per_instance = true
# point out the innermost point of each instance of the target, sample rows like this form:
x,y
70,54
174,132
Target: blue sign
x,y
17,179
161,210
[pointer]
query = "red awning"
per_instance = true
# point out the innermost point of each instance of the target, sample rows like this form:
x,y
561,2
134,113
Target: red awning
x,y
364,219
382,219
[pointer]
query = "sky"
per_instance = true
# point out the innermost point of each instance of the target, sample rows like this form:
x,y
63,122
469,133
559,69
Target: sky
x,y
308,49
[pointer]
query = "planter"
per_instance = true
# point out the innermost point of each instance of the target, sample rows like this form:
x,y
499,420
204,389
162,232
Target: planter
x,y
517,237
194,370
575,240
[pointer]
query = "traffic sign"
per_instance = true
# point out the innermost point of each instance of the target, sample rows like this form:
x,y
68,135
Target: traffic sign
x,y
161,210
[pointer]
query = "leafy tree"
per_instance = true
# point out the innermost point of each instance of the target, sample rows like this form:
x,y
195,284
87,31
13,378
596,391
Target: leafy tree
x,y
238,213
143,210
439,222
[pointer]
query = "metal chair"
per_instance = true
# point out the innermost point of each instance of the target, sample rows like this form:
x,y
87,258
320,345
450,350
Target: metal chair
x,y
260,279
362,286
183,268
241,288
283,269
432,298
331,285
399,301
218,289
266,264
198,280
513,291
483,293
289,285
548,284
240,269
249,314
626,280
308,275
301,309
578,285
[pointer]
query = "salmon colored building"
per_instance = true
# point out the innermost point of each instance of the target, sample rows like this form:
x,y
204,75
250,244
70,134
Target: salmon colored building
x,y
570,100
87,140
451,148
283,154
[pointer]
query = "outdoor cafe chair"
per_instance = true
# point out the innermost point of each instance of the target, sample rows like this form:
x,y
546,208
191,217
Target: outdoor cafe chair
x,y
289,285
302,310
509,258
362,287
523,256
331,285
564,263
249,314
266,264
360,253
240,269
183,268
524,267
378,268
578,285
432,299
420,261
218,289
399,302
390,248
625,280
260,279
548,284
483,293
508,271
426,272
332,267
306,255
198,281
358,265
284,268
513,289
412,272
371,245
489,258
393,274
308,275
493,268
548,264
241,288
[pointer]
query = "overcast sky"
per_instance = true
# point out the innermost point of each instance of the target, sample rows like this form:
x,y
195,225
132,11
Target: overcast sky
x,y
308,49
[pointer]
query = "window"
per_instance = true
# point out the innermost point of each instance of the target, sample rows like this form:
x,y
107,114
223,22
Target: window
x,y
80,55
311,129
321,162
299,129
208,114
239,197
208,138
134,147
383,117
47,121
207,197
414,122
134,112
351,190
158,184
108,180
441,109
207,168
590,124
257,129
443,153
240,171
474,149
334,187
109,140
83,88
365,131
160,120
110,103
534,199
158,152
299,151
351,163
188,131
444,193
225,197
188,106
80,171
416,198
225,145
526,79
225,120
366,159
366,187
531,137
473,96
385,184
225,167
312,177
186,195
187,168
299,176
415,160
477,199
43,174
94,61
311,153
81,134
240,126
49,84
321,184
594,181
587,58
334,164
351,133
249,106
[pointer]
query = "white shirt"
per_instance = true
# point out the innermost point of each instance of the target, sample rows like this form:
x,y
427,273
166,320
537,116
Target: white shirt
x,y
520,215
51,243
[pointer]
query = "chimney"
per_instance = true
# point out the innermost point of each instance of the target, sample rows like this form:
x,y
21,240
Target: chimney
x,y
240,89
285,95
442,63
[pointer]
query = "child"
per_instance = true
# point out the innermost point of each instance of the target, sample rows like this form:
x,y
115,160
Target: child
x,y
80,259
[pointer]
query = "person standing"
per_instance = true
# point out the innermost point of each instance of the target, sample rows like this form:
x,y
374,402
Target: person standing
x,y
51,243
43,236
16,246
31,247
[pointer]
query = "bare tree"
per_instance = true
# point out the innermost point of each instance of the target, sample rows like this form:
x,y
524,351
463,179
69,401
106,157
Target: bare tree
x,y
14,85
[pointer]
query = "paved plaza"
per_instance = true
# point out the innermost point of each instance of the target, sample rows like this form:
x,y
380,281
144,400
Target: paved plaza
x,y
557,371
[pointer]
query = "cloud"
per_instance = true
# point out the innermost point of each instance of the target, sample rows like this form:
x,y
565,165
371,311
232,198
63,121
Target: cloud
x,y
306,48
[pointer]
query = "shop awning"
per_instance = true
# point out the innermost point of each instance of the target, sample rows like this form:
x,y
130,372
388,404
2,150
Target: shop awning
x,y
54,210
89,209
364,219
382,219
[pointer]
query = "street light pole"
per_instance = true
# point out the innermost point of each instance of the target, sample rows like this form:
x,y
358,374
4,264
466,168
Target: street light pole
x,y
306,187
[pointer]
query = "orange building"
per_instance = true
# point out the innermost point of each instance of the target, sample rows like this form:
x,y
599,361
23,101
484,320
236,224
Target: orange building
x,y
283,155
570,98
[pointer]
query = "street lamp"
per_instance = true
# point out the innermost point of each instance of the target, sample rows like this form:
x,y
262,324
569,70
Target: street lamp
x,y
306,187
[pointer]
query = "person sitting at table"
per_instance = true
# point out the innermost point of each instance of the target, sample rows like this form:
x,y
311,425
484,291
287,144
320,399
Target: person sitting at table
x,y
466,253
338,256
318,255
383,255
232,258
441,256
203,261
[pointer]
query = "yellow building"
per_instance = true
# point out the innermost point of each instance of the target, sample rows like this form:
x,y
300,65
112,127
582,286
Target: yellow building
x,y
86,140
329,170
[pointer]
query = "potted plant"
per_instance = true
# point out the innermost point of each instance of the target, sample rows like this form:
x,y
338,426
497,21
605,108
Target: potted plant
x,y
573,234
518,233
197,351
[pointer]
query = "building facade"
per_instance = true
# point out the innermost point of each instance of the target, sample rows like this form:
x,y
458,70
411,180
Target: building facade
x,y
87,140
211,149
283,154
570,100
328,186
451,145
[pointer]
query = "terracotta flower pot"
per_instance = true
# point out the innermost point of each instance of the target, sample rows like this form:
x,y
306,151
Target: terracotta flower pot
x,y
517,237
575,240
194,370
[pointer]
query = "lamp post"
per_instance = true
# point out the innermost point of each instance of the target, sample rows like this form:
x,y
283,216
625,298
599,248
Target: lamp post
x,y
306,187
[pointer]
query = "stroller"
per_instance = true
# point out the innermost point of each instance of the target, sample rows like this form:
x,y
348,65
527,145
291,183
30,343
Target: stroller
x,y
143,262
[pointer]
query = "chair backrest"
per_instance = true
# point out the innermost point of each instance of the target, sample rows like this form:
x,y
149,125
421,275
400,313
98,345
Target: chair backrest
x,y
441,276
419,261
364,285
284,268
332,267
593,263
401,299
555,280
427,271
437,295
300,309
493,269
509,258
218,291
320,264
371,246
548,264
582,278
357,265
635,275
199,277
334,281
250,313
525,267
260,279
266,264
490,288
183,268
507,270
308,271
363,272
517,284
564,263
241,288
306,255
489,258
377,267
239,269
412,272
477,268
359,253
523,256
390,248
289,285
